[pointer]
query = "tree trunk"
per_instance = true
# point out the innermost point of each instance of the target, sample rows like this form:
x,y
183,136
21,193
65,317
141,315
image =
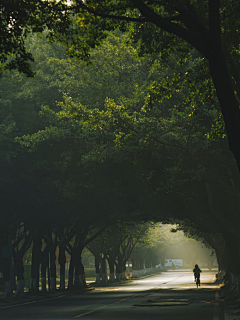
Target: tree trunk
x,y
103,267
62,262
53,268
44,266
226,97
79,270
111,267
97,263
118,270
71,273
20,274
6,254
36,259
123,274
232,247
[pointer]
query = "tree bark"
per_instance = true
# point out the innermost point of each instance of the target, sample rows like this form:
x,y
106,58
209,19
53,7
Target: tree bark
x,y
79,272
71,273
6,254
36,260
111,259
44,265
53,268
97,267
118,270
62,262
103,268
227,99
20,273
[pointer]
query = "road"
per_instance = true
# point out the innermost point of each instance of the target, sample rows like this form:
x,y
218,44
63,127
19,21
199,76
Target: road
x,y
168,296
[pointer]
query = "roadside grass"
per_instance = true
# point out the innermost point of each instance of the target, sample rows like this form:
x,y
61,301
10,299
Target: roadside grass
x,y
89,274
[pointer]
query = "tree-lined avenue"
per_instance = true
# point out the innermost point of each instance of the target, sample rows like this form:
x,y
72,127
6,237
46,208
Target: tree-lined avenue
x,y
174,293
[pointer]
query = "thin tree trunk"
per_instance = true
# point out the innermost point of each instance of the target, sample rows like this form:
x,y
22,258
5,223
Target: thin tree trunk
x,y
62,262
97,263
111,267
118,270
20,274
53,268
44,266
71,273
6,255
103,267
36,259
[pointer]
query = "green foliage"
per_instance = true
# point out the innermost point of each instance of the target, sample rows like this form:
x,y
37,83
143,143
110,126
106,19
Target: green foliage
x,y
218,129
20,18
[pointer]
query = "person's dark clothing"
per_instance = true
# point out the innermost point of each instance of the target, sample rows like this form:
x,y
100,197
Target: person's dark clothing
x,y
197,272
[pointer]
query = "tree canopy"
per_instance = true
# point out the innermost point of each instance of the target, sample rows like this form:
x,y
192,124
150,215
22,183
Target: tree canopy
x,y
135,135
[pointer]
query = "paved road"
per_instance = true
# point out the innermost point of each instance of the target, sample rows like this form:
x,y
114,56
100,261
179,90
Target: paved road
x,y
168,296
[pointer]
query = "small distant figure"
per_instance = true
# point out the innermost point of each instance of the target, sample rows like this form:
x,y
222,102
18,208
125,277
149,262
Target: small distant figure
x,y
173,266
197,271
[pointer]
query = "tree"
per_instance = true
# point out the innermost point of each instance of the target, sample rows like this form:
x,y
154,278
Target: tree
x,y
152,250
166,161
20,18
205,25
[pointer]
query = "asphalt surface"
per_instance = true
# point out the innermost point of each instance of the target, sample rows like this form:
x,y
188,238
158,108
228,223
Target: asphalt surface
x,y
167,296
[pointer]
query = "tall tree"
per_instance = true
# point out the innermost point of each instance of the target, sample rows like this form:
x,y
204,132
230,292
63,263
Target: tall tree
x,y
205,25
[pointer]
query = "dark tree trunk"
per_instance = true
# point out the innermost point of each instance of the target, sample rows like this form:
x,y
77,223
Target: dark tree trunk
x,y
6,255
79,272
118,270
232,247
36,260
44,266
103,268
62,262
20,273
53,268
111,261
220,261
97,267
123,275
227,99
71,273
